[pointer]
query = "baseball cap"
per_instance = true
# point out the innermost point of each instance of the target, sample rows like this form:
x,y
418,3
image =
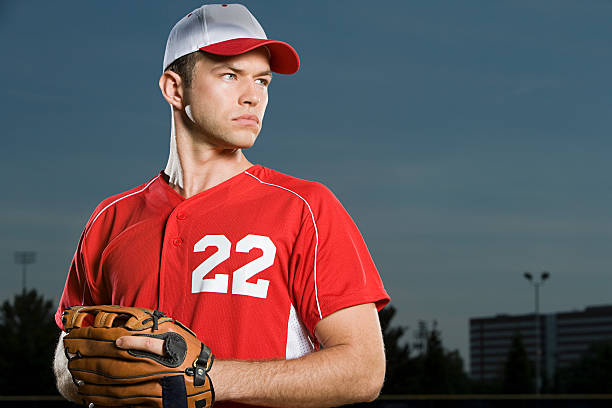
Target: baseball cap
x,y
226,29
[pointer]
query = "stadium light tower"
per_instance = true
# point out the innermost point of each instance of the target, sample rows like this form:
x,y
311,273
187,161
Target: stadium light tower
x,y
24,258
536,284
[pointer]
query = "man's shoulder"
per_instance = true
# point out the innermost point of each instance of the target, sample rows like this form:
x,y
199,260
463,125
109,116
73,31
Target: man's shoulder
x,y
282,183
121,202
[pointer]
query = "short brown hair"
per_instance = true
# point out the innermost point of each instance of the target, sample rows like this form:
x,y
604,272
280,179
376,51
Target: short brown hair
x,y
184,66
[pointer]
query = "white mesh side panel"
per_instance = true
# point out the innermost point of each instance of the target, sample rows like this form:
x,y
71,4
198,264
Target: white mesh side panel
x,y
298,342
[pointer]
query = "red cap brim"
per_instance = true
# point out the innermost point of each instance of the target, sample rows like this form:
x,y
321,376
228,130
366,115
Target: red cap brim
x,y
283,58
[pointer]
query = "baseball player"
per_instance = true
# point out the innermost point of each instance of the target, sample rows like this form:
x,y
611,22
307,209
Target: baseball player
x,y
268,270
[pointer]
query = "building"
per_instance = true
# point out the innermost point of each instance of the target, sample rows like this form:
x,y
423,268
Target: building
x,y
563,336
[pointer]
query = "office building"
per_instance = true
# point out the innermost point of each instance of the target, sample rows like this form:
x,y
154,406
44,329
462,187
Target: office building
x,y
563,337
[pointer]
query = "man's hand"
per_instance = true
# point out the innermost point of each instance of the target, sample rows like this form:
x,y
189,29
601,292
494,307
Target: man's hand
x,y
63,379
174,368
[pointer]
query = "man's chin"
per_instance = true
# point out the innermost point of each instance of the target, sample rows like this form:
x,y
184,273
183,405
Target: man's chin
x,y
246,141
242,145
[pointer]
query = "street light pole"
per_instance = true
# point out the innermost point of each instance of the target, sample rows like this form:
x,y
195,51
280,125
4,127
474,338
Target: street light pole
x,y
24,258
536,284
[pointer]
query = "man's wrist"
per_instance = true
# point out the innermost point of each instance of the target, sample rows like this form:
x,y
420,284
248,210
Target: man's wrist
x,y
234,380
216,378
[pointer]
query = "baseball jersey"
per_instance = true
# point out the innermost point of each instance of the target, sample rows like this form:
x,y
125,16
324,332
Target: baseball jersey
x,y
250,265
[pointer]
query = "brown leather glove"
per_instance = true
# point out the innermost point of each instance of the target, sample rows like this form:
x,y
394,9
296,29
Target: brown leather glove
x,y
109,376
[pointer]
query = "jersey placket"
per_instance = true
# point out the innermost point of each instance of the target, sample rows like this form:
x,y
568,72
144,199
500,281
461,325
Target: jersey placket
x,y
174,259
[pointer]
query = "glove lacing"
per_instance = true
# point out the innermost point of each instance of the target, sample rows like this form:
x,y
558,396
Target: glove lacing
x,y
154,316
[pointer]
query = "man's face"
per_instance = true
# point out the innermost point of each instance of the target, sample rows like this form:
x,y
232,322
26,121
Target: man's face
x,y
228,97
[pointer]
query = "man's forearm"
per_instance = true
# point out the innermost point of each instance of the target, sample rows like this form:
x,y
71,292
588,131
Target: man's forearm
x,y
330,377
351,368
63,379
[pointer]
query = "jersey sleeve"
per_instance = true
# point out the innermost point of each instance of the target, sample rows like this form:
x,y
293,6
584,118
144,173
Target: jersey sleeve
x,y
79,289
76,289
332,266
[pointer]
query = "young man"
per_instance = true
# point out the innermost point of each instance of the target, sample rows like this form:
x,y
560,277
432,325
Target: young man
x,y
268,270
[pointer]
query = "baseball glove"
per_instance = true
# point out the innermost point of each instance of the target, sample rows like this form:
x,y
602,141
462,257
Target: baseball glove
x,y
109,376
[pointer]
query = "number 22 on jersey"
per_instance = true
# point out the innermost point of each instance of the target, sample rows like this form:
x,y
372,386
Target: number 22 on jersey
x,y
240,286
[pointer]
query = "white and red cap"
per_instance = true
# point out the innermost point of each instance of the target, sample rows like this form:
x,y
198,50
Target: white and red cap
x,y
226,29
221,29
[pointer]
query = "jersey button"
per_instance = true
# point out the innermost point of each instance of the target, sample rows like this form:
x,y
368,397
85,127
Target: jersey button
x,y
177,241
181,216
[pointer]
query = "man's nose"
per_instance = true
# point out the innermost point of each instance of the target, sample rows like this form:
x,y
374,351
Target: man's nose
x,y
250,94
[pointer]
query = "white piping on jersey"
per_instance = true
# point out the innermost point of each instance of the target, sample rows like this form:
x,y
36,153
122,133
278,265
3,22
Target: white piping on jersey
x,y
121,198
316,235
104,209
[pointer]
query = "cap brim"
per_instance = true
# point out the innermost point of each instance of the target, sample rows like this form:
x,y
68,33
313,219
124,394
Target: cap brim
x,y
283,58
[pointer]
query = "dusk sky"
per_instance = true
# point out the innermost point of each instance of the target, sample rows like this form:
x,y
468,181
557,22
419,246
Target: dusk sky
x,y
470,140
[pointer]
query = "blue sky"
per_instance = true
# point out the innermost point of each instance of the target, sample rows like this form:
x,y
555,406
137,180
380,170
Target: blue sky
x,y
469,140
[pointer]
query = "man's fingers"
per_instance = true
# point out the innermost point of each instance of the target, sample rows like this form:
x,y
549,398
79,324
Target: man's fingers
x,y
142,343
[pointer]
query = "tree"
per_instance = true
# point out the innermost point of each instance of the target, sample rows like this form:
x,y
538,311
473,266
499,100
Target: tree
x,y
435,378
420,367
400,375
518,375
442,370
29,335
591,374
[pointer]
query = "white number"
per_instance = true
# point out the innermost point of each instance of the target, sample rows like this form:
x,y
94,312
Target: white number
x,y
218,284
240,286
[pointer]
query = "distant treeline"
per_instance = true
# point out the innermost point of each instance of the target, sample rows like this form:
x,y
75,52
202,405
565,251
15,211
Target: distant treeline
x,y
419,366
424,366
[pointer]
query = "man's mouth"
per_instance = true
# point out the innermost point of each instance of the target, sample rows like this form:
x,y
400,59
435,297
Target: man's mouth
x,y
247,120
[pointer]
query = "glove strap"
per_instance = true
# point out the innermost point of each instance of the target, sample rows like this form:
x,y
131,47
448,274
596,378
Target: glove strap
x,y
202,366
174,394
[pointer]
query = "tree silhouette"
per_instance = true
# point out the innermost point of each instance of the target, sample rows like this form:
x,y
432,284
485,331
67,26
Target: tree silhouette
x,y
423,367
518,375
442,370
29,335
592,373
401,374
434,379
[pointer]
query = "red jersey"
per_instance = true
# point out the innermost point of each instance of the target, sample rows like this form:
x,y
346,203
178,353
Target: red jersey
x,y
250,265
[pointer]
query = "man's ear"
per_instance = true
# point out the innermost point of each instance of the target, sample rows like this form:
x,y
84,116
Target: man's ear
x,y
171,86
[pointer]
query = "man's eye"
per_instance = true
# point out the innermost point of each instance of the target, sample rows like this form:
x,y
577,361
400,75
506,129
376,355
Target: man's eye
x,y
262,81
229,76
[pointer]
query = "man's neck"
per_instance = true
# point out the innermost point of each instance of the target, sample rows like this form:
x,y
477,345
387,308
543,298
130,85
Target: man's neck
x,y
205,167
